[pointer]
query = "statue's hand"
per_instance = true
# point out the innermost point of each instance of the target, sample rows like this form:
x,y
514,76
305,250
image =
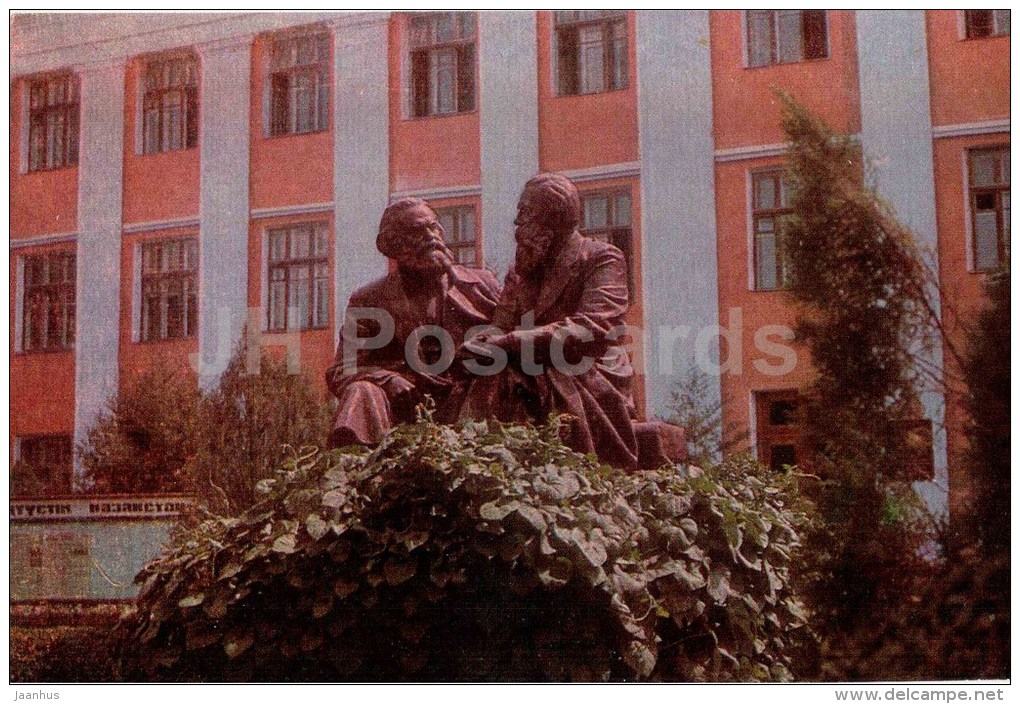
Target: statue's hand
x,y
481,345
397,386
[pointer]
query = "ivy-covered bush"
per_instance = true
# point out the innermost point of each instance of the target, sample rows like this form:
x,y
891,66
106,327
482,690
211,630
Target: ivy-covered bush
x,y
957,627
486,553
60,654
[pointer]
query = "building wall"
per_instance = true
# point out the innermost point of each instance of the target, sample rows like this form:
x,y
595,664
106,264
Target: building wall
x,y
286,169
969,77
749,137
42,202
746,108
157,187
428,153
755,320
966,113
584,131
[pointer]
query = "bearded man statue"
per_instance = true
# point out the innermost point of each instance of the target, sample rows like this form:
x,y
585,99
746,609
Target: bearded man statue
x,y
558,323
384,367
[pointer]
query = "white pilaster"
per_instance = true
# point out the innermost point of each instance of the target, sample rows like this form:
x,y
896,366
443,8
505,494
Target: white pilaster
x,y
508,104
223,211
896,132
361,163
678,231
100,190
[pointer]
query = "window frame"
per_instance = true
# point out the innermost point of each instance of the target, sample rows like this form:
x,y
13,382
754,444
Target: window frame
x,y
995,31
36,118
776,214
66,292
456,246
190,314
430,46
321,69
613,230
769,435
189,124
606,22
973,191
314,228
774,39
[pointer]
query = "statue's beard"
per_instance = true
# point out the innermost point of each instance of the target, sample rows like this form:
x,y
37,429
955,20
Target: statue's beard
x,y
532,252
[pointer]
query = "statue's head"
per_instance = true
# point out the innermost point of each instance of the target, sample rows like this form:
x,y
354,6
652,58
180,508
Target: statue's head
x,y
548,211
410,234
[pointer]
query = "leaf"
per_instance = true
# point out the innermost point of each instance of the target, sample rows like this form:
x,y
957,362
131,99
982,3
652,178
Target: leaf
x,y
197,636
493,511
238,641
285,544
594,552
399,571
231,569
191,600
344,588
554,487
532,515
334,499
639,657
692,579
217,607
719,584
323,605
315,526
689,527
796,609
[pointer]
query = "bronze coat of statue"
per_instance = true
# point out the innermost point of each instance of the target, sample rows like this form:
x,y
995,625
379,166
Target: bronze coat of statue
x,y
425,289
562,310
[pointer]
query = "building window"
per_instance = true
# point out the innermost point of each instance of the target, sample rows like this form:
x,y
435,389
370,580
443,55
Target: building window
x,y
591,51
442,48
299,277
989,204
459,232
299,84
53,122
771,208
170,105
49,311
785,36
778,425
44,465
169,289
607,218
986,23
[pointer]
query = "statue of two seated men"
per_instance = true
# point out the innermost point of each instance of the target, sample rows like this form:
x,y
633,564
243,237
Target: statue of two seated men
x,y
547,342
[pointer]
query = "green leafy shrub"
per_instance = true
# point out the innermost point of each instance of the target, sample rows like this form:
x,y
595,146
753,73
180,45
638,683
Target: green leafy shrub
x,y
488,552
162,434
147,437
61,654
692,407
988,387
860,287
954,628
245,424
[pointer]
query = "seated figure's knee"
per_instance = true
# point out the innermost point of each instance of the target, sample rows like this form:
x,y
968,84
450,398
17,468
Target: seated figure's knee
x,y
364,387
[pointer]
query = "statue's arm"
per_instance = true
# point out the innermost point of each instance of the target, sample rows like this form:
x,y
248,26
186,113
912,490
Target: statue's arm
x,y
365,363
603,304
